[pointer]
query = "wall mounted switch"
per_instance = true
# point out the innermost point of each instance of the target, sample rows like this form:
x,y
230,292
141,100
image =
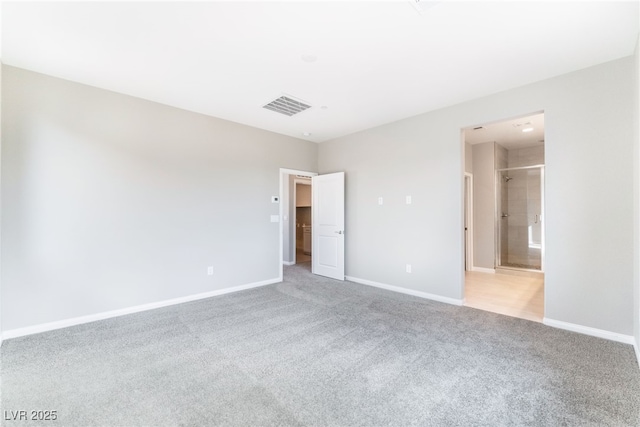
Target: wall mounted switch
x,y
408,200
408,268
380,201
210,271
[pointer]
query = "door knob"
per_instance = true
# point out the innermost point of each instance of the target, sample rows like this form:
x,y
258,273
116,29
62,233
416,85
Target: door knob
x,y
340,232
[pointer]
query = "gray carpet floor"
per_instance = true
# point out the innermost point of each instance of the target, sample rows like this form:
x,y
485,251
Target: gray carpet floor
x,y
317,352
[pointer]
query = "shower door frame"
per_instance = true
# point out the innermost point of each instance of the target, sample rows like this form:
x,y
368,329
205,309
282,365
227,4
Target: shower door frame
x,y
498,213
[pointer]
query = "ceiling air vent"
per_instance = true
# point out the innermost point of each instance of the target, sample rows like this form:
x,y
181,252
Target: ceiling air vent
x,y
286,106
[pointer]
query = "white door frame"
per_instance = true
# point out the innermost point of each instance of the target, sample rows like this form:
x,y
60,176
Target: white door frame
x,y
284,173
468,207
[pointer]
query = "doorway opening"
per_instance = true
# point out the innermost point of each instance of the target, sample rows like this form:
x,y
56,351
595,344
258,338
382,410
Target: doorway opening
x,y
302,219
504,216
327,221
289,180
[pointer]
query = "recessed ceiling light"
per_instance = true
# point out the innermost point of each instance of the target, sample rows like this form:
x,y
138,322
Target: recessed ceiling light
x,y
527,130
308,57
517,125
423,5
306,133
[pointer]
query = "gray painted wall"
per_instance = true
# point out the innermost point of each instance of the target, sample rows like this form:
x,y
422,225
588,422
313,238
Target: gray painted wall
x,y
393,161
110,201
484,205
468,157
636,181
589,140
1,297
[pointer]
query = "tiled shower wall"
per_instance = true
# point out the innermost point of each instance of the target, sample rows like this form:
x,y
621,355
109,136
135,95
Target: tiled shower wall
x,y
521,196
529,156
502,156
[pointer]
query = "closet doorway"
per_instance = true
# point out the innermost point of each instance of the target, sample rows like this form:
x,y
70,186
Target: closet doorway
x,y
302,219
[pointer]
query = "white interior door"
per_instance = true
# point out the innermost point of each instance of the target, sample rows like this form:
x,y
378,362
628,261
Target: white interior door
x,y
328,225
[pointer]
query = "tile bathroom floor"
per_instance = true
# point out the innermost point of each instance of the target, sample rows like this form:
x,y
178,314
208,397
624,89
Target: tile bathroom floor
x,y
511,295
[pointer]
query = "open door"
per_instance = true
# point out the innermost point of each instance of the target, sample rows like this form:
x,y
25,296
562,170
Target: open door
x,y
328,225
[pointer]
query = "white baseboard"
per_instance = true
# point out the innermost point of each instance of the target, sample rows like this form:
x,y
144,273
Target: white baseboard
x,y
44,327
483,270
288,262
613,336
636,346
405,291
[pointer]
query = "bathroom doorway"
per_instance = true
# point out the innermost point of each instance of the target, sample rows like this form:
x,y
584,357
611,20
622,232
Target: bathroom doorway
x,y
506,161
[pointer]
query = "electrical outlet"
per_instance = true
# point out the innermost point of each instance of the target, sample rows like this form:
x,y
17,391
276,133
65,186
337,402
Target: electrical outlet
x,y
408,268
210,271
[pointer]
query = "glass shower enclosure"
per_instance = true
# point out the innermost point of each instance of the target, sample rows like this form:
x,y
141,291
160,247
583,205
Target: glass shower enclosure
x,y
519,218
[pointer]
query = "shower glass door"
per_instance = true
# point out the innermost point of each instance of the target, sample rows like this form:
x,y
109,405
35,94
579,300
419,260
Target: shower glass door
x,y
520,218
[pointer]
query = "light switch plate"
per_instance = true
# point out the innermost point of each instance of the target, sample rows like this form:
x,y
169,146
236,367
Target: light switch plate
x,y
380,201
275,218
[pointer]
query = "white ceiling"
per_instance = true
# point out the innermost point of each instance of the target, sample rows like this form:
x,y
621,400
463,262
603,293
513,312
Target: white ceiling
x,y
375,61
